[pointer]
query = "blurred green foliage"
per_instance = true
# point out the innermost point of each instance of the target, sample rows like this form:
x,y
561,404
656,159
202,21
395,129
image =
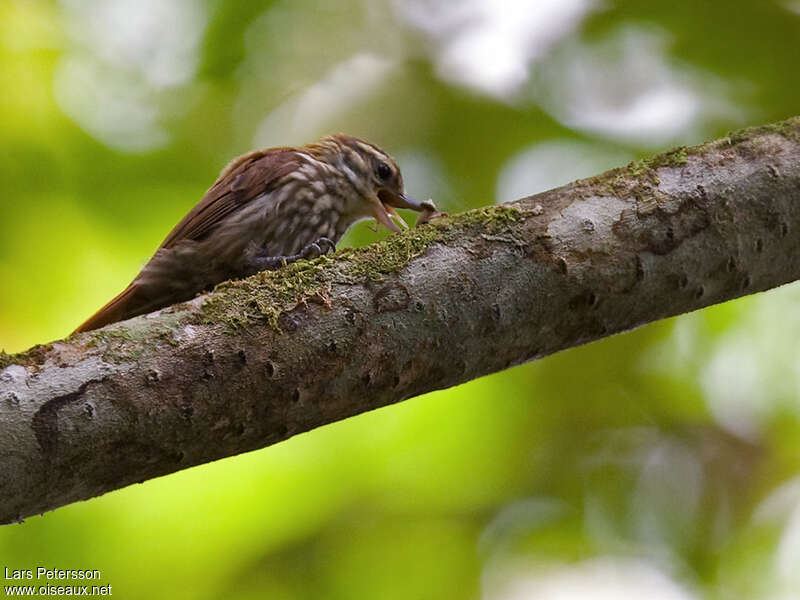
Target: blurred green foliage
x,y
659,463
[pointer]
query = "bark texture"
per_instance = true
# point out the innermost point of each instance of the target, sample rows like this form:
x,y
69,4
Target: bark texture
x,y
263,359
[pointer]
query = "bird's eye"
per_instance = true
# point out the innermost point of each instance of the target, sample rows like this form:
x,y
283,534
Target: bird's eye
x,y
383,171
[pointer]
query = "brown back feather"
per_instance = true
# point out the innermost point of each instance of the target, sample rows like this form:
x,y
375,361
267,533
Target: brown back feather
x,y
242,181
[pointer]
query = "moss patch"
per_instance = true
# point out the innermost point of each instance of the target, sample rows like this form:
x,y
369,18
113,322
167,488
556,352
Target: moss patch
x,y
270,293
638,178
493,218
646,167
790,129
33,357
617,182
375,261
267,294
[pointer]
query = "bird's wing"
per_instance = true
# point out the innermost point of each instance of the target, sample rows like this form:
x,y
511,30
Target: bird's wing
x,y
243,180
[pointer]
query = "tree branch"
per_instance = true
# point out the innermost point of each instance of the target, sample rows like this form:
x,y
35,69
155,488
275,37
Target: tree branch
x,y
263,359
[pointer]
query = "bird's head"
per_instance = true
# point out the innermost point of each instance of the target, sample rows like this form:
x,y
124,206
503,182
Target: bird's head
x,y
374,179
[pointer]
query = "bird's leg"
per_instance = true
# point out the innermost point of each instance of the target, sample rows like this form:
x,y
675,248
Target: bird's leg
x,y
262,262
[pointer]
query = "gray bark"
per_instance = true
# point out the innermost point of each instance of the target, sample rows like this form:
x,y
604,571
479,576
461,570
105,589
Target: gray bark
x,y
263,359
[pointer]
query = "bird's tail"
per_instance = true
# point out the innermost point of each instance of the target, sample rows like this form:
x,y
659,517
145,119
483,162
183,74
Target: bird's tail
x,y
125,305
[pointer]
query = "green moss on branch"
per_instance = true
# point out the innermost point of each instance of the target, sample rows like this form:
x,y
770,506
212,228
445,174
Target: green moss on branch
x,y
270,293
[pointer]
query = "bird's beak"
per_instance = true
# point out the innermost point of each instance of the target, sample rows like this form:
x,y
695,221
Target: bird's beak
x,y
384,206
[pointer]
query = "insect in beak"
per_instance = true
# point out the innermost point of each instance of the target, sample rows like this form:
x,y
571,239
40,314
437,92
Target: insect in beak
x,y
384,205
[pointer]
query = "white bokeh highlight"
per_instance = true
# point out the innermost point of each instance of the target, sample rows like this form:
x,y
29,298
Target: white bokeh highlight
x,y
745,379
781,509
554,163
627,89
489,46
606,578
743,372
307,114
123,55
792,6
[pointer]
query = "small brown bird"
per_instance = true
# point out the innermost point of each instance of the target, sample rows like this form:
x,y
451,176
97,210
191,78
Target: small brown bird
x,y
268,208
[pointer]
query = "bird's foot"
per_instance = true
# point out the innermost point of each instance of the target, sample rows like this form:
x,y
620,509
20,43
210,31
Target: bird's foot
x,y
313,250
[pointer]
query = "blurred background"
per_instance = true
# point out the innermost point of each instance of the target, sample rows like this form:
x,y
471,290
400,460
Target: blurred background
x,y
662,463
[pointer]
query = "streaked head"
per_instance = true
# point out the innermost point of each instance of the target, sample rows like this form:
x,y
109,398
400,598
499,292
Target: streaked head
x,y
372,173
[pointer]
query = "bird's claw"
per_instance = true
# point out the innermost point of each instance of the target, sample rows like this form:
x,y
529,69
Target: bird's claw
x,y
317,248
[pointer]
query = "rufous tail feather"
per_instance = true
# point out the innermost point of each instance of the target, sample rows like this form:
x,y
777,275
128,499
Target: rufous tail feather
x,y
121,307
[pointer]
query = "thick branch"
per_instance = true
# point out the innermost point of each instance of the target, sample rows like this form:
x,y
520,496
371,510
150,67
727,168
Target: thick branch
x,y
260,360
